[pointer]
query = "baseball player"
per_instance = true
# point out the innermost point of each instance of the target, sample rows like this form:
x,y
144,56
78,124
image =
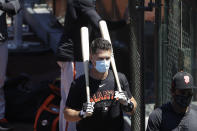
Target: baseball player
x,y
178,114
79,13
105,110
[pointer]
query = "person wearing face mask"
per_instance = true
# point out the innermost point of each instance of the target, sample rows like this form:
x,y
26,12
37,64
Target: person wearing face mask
x,y
178,114
79,13
106,107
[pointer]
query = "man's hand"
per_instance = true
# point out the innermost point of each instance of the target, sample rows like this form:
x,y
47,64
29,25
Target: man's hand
x,y
88,109
122,97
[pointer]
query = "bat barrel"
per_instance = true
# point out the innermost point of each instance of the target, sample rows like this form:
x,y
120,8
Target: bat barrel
x,y
106,36
85,54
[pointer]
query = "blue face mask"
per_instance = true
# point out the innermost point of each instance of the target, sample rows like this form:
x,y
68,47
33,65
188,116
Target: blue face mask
x,y
102,66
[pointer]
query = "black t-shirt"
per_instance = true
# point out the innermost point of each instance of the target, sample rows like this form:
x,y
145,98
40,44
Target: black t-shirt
x,y
166,119
107,115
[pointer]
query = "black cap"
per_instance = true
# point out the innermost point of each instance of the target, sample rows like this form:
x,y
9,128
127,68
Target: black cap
x,y
183,80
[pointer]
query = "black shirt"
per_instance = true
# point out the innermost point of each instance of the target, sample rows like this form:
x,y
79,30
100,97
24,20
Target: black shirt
x,y
107,115
166,119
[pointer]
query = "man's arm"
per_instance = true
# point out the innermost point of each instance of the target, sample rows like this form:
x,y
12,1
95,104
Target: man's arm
x,y
129,104
74,115
71,114
134,106
76,107
73,103
11,6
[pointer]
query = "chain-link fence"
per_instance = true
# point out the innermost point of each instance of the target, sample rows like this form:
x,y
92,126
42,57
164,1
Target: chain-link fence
x,y
177,46
136,62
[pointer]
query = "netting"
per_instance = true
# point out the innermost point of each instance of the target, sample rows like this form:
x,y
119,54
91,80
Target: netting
x,y
177,53
136,65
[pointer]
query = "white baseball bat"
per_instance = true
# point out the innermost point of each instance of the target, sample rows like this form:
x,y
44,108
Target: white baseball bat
x,y
85,54
105,35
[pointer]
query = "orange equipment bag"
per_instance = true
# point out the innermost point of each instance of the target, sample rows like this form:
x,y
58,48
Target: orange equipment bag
x,y
47,116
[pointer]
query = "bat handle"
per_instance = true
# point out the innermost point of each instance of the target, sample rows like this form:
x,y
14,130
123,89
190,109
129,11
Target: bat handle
x,y
115,73
86,63
88,93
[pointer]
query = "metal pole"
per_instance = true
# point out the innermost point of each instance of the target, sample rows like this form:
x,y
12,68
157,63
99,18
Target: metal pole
x,y
164,46
193,47
194,41
158,54
136,63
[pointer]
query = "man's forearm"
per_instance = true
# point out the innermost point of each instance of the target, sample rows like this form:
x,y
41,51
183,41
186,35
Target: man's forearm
x,y
134,106
71,115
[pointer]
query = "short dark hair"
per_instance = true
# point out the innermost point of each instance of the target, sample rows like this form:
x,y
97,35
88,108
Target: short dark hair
x,y
100,43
